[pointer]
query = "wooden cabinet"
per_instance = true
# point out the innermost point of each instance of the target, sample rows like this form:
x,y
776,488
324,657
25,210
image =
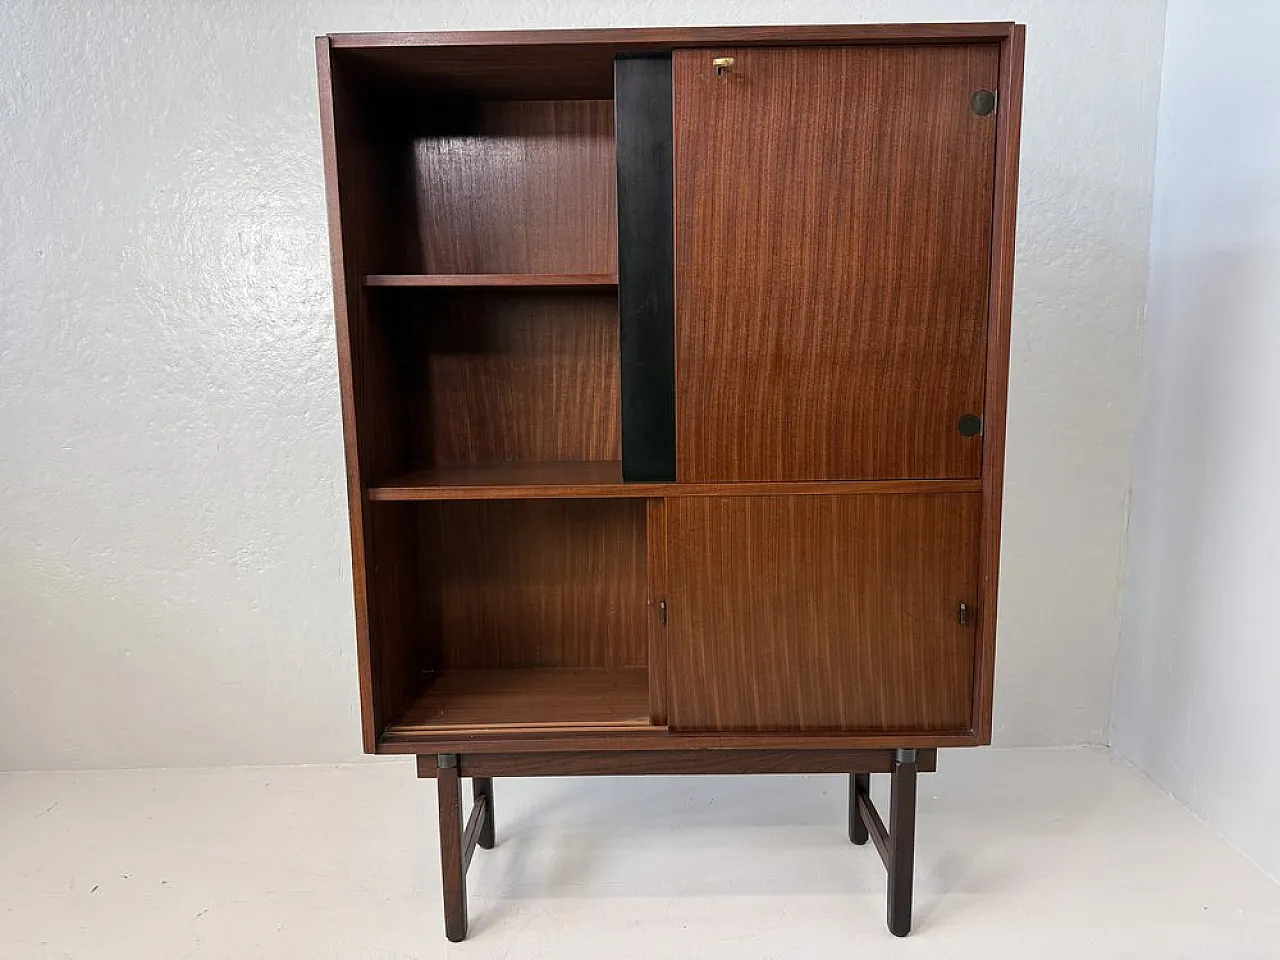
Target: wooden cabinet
x,y
673,373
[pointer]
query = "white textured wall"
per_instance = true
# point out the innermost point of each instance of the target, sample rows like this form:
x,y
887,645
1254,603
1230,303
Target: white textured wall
x,y
1198,692
174,584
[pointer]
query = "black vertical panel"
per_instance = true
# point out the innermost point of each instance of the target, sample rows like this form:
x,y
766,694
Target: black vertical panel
x,y
646,269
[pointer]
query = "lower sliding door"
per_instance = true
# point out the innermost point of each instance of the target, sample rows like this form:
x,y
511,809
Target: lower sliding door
x,y
822,613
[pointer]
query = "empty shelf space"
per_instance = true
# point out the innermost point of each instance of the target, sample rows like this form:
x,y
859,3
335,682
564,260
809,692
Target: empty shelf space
x,y
545,281
601,479
520,698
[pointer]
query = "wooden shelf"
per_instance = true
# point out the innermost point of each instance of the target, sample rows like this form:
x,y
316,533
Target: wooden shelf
x,y
546,281
517,480
602,479
528,698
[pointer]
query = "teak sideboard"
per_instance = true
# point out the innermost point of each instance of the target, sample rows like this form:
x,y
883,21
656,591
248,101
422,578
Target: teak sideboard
x,y
673,369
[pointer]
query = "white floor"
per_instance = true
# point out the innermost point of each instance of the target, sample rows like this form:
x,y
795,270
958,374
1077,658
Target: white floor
x,y
1026,854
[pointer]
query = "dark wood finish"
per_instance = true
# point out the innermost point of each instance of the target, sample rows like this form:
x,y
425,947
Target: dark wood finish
x,y
839,252
540,583
578,64
453,859
519,187
672,762
602,479
902,842
401,634
821,613
557,281
859,786
344,305
651,39
388,657
510,480
656,593
645,738
877,832
895,845
857,359
458,844
482,793
497,376
999,317
477,823
646,294
541,700
498,71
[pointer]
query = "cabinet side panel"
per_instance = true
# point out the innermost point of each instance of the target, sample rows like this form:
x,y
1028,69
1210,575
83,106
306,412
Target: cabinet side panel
x,y
345,290
999,321
372,418
646,273
822,613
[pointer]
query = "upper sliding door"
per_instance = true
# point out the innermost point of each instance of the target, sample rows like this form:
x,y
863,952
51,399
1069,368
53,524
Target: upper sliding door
x,y
832,247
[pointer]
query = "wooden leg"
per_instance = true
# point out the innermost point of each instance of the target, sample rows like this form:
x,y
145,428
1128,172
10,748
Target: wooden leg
x,y
859,783
902,841
453,868
482,792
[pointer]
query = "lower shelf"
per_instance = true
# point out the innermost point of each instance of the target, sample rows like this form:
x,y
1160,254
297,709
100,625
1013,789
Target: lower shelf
x,y
519,699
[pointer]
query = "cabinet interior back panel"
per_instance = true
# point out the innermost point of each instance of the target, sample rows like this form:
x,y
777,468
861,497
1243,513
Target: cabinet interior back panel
x,y
495,375
534,583
833,237
517,187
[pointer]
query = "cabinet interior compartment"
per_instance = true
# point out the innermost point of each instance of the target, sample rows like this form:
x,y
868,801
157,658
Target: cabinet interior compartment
x,y
491,376
480,237
516,614
454,184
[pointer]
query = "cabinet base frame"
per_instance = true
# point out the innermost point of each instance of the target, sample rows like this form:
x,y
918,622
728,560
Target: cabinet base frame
x,y
895,843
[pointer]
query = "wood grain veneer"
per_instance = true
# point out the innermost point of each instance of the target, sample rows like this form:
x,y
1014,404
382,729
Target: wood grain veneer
x,y
578,64
494,376
821,613
831,261
669,762
647,738
999,320
651,39
602,479
480,169
655,597
561,281
814,291
549,699
518,187
538,583
388,632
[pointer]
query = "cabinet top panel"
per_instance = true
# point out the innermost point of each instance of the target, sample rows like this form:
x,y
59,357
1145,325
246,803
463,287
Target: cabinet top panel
x,y
578,64
650,38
